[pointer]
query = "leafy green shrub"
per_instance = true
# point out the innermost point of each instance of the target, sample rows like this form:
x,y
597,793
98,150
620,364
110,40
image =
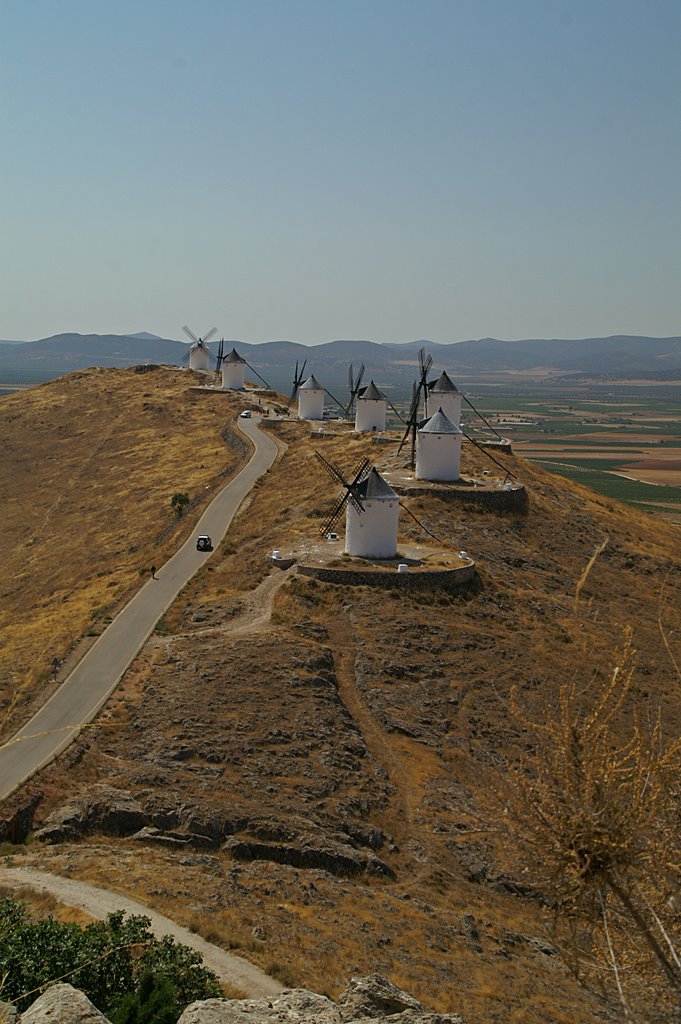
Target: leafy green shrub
x,y
107,960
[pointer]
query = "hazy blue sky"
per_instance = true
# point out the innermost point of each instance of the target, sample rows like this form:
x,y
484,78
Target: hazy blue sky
x,y
313,170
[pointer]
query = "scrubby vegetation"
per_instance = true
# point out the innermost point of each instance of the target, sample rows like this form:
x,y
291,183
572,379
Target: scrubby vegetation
x,y
117,963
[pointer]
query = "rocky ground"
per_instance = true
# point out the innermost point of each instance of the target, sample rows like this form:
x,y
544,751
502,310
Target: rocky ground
x,y
320,786
365,999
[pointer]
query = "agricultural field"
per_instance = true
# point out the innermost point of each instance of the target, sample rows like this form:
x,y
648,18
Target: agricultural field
x,y
624,441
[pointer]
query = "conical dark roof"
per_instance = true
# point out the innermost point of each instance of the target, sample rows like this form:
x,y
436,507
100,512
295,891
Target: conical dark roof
x,y
311,384
233,357
371,394
374,486
440,423
444,383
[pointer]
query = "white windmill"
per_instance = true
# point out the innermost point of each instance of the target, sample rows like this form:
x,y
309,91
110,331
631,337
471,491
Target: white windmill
x,y
233,369
311,400
445,395
370,409
199,356
371,511
438,449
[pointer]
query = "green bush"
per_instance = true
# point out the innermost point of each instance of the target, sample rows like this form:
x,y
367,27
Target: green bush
x,y
107,960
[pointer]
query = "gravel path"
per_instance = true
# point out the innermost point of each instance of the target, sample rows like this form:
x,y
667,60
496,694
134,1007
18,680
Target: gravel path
x,y
229,968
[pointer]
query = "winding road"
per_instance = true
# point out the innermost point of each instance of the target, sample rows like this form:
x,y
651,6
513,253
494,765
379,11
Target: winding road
x,y
96,902
96,676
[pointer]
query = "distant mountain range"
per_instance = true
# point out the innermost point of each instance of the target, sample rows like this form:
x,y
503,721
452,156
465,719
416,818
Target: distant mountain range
x,y
618,357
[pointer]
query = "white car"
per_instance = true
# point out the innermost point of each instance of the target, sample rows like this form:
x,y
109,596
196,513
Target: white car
x,y
246,414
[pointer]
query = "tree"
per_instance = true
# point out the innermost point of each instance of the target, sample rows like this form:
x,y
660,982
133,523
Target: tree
x,y
179,503
107,960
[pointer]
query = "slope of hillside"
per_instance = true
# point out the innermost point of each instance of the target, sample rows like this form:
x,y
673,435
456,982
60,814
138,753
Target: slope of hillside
x,y
303,771
90,463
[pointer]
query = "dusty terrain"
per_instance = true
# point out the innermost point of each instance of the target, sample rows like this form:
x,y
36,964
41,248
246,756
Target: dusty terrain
x,y
306,773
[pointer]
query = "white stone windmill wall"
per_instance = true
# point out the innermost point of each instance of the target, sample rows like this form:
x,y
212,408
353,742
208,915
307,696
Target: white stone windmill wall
x,y
373,532
199,358
233,371
311,400
438,449
444,395
370,410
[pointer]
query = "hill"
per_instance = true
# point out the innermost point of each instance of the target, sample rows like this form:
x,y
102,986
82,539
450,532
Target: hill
x,y
94,458
303,771
393,365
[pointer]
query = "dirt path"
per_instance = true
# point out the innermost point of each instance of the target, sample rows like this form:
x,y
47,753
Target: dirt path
x,y
410,765
233,970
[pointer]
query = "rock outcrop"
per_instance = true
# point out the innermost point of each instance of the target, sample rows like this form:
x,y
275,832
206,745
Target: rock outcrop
x,y
62,1004
365,999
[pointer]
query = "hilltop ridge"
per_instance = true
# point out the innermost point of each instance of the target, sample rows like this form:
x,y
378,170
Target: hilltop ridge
x,y
305,771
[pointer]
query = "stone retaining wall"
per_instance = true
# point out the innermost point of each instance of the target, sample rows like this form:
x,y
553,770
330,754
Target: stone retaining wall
x,y
495,500
425,579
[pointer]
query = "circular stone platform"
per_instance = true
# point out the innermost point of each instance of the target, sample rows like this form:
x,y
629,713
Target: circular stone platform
x,y
427,566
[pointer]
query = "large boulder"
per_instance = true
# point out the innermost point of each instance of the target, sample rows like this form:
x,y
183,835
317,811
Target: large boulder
x,y
98,808
366,999
375,996
293,1007
63,1004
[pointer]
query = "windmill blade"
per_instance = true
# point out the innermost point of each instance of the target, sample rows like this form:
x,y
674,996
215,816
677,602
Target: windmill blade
x,y
295,385
333,399
413,414
301,377
333,471
491,457
478,413
210,334
258,375
334,514
185,357
397,413
190,334
360,374
350,382
419,523
360,471
356,502
221,354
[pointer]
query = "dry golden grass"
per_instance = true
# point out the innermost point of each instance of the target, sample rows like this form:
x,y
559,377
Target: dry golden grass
x,y
93,459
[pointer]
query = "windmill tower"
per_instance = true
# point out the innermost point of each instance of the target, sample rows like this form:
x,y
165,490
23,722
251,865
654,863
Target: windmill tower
x,y
310,400
199,356
445,395
438,449
370,409
233,371
371,511
372,533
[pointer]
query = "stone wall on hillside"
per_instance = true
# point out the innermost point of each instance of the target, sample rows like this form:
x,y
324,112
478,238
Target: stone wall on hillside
x,y
448,579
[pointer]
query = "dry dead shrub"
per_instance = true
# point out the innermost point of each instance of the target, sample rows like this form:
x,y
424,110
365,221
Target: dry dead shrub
x,y
592,815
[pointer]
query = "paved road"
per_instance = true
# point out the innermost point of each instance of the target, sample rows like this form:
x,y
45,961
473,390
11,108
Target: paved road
x,y
233,969
92,681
